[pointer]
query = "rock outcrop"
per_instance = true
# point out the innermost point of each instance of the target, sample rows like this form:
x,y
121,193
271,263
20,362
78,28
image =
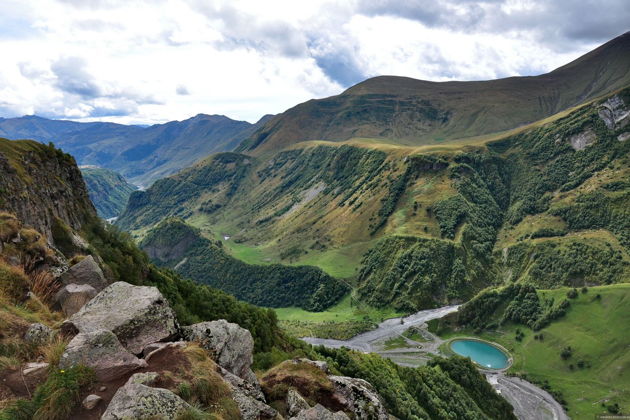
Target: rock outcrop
x,y
87,272
248,397
614,113
232,345
359,397
72,297
582,140
319,412
138,400
137,315
101,351
295,403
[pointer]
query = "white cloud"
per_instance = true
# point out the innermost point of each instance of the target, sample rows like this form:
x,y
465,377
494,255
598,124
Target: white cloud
x,y
152,61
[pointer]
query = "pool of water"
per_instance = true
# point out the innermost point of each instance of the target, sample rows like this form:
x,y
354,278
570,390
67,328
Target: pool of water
x,y
483,354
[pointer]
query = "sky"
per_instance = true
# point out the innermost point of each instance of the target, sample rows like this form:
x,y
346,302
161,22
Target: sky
x,y
144,62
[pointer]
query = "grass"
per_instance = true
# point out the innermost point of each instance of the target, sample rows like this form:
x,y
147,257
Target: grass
x,y
346,310
341,262
596,330
342,321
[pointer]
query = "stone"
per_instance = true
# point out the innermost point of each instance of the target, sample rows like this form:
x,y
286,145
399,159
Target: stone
x,y
38,334
319,412
248,397
91,401
87,272
295,403
231,345
137,315
582,140
102,389
623,136
137,400
359,397
155,348
72,297
101,351
614,113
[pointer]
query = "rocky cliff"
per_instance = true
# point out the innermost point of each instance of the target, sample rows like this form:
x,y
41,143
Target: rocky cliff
x,y
43,186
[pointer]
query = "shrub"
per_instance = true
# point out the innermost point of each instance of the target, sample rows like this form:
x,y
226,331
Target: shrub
x,y
54,399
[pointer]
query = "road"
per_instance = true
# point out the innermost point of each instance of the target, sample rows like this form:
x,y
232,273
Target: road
x,y
387,329
529,401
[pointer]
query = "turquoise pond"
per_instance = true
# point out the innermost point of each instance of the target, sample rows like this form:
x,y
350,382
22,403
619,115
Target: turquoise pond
x,y
483,354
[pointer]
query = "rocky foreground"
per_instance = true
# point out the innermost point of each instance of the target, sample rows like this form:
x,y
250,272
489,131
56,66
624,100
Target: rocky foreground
x,y
142,361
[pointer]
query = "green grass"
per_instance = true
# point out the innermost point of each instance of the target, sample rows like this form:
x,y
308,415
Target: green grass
x,y
597,331
343,311
342,262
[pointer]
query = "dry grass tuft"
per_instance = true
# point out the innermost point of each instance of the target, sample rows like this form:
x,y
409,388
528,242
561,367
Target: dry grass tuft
x,y
44,285
53,350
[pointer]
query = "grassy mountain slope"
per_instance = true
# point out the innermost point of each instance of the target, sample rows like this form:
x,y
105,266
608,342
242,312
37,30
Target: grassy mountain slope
x,y
141,154
547,206
177,245
594,375
108,190
414,112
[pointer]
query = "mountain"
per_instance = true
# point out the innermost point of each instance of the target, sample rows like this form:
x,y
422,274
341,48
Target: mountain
x,y
108,190
91,329
415,228
140,154
406,111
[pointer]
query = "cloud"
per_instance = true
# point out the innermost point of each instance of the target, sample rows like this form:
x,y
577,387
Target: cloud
x,y
73,78
144,61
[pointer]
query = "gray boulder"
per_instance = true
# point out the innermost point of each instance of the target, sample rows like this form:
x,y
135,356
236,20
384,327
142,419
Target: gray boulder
x,y
359,397
248,397
138,315
101,351
72,297
295,403
614,113
231,345
87,272
137,400
319,412
38,334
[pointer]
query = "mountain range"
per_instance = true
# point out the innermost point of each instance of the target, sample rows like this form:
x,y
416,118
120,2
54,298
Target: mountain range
x,y
140,154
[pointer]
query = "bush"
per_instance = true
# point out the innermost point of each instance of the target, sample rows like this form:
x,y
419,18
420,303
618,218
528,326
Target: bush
x,y
572,294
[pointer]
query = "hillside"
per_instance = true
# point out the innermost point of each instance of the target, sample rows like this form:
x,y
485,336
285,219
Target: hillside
x,y
415,228
406,111
589,379
106,353
107,189
176,245
140,154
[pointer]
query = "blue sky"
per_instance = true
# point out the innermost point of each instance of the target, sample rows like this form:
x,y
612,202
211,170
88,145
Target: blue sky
x,y
133,61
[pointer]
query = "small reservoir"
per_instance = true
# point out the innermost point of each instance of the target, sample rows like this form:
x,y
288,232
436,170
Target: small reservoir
x,y
484,354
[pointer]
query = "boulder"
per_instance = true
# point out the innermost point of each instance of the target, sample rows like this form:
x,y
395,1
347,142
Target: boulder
x,y
87,272
359,397
582,140
319,412
248,397
614,113
38,334
91,401
137,400
101,351
72,297
295,403
231,345
138,315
